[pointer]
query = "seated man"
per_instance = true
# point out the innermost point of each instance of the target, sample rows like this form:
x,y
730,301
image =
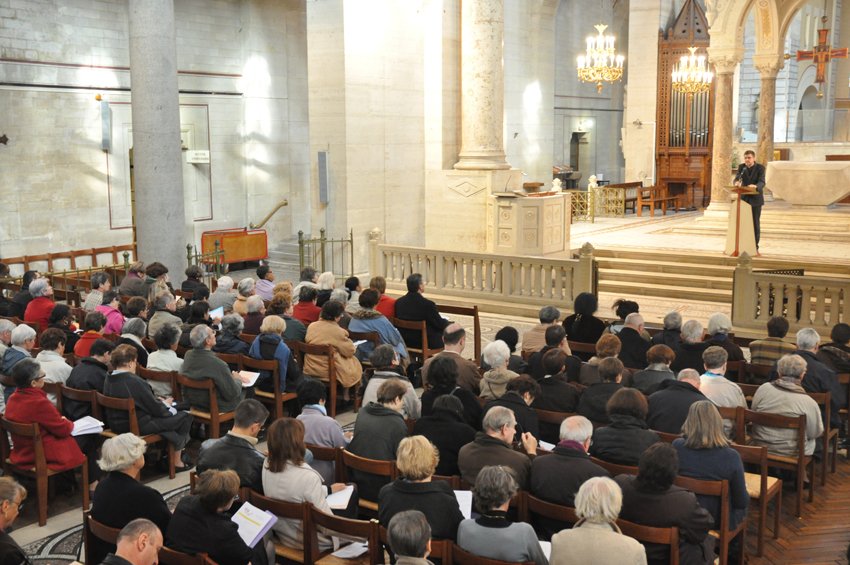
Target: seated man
x,y
238,449
138,543
717,388
165,307
223,297
414,307
634,346
535,338
265,282
595,398
671,335
668,407
769,350
785,396
819,377
468,377
39,308
836,354
201,363
556,338
493,447
89,374
689,352
6,328
409,537
100,283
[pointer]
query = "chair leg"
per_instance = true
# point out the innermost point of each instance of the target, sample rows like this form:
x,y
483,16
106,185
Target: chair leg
x,y
41,491
777,510
215,427
171,472
762,523
85,480
800,473
834,452
332,395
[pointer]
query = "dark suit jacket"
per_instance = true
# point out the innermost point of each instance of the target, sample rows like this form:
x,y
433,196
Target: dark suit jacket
x,y
526,417
633,353
435,499
236,453
820,378
668,408
415,307
90,374
753,175
689,356
448,432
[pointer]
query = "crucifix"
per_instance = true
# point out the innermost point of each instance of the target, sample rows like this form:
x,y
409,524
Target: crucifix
x,y
821,54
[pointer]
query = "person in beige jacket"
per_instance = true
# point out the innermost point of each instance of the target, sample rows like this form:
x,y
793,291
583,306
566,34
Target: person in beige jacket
x,y
494,382
595,539
327,331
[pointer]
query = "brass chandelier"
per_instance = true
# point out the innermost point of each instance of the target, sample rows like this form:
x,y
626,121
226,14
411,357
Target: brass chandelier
x,y
691,75
600,63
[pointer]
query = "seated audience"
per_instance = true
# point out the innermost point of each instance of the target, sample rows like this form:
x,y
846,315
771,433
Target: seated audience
x,y
627,436
510,336
327,283
446,429
594,399
319,428
377,432
164,306
256,311
534,339
228,340
622,308
51,357
836,354
42,303
306,311
668,407
339,295
367,319
671,334
386,304
156,281
327,331
265,282
165,358
689,352
717,388
281,305
786,396
492,535
414,307
244,289
582,326
100,284
194,280
132,333
139,543
153,416
61,319
120,497
6,328
556,394
23,342
223,297
269,345
133,283
555,339
200,523
719,328
444,377
519,395
454,338
608,346
649,380
89,374
819,377
769,350
414,490
12,496
634,346
201,363
651,499
110,309
596,539
93,325
198,313
556,478
384,360
22,298
409,538
493,447
136,307
496,355
353,288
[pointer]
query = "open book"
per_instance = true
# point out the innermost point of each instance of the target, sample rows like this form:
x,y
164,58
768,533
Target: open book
x,y
253,523
87,425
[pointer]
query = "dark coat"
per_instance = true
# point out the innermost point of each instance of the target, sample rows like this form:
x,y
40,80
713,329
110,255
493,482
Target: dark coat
x,y
623,441
253,321
668,407
435,499
472,412
689,356
191,285
377,432
835,356
732,349
10,552
449,433
141,352
526,417
588,329
486,450
752,175
594,399
633,353
90,374
556,395
194,530
236,453
120,499
649,380
71,336
820,378
226,343
413,306
152,415
670,338
536,370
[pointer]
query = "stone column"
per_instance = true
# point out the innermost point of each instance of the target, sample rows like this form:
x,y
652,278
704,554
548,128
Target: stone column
x,y
482,86
161,227
768,70
721,155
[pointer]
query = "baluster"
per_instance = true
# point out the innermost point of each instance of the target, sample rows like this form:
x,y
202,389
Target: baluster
x,y
763,299
806,306
820,306
834,304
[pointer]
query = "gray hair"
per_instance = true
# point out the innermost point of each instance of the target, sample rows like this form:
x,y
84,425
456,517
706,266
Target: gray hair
x,y
22,334
6,325
232,324
599,500
136,327
119,452
98,279
10,489
340,295
162,300
576,428
496,354
807,339
548,314
199,335
719,323
224,284
38,287
714,357
254,304
494,486
136,528
791,367
326,281
688,375
673,321
692,331
497,418
382,356
408,534
245,286
634,319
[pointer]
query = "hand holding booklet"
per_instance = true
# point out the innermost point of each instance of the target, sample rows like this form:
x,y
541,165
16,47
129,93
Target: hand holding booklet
x,y
253,523
249,378
87,425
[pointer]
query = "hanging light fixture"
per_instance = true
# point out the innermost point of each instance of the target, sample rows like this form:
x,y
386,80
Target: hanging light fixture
x,y
691,75
600,63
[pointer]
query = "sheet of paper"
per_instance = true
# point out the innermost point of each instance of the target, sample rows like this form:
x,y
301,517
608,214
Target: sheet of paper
x,y
339,500
217,312
546,546
249,378
546,445
360,342
464,500
352,550
87,425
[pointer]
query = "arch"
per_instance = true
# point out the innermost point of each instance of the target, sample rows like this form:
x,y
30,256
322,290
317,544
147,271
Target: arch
x,y
806,85
768,40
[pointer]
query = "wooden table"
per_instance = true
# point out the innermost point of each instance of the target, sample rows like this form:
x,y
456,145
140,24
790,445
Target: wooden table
x,y
685,202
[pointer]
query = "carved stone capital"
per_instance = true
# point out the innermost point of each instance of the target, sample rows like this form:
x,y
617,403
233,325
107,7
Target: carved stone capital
x,y
768,67
724,60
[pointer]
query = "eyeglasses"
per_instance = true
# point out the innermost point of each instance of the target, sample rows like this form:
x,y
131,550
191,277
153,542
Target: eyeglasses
x,y
40,377
20,504
236,498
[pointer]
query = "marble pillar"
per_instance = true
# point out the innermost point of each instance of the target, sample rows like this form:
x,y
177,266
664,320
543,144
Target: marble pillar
x,y
161,226
721,155
482,86
767,108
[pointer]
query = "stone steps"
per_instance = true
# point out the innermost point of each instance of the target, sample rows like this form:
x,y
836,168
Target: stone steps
x,y
683,280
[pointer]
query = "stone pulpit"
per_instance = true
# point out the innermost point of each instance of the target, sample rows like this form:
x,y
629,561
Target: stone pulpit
x,y
528,225
809,183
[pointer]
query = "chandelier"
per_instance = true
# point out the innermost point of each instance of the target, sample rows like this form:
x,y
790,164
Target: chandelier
x,y
600,63
691,75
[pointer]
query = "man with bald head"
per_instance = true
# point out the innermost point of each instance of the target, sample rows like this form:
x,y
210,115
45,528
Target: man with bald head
x,y
468,377
669,406
633,352
414,307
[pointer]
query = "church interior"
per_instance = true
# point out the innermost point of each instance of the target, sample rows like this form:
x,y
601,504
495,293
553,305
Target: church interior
x,y
516,153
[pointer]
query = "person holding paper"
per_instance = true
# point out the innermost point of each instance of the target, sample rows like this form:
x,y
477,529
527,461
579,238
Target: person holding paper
x,y
202,363
165,358
751,175
12,496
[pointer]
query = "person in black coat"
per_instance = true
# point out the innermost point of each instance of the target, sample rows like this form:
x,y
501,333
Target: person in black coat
x,y
519,394
89,374
555,339
668,407
447,430
135,328
417,460
119,497
595,398
61,319
556,393
671,335
689,353
752,175
12,496
194,280
627,436
719,327
819,377
228,340
415,307
633,351
583,326
836,354
442,376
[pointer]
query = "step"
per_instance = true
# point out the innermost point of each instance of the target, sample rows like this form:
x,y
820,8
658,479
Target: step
x,y
695,281
671,267
640,288
810,234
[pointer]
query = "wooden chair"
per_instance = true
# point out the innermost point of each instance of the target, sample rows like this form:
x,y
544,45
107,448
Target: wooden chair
x,y
550,423
534,508
423,352
374,337
735,370
441,549
94,529
667,437
167,377
129,405
149,344
762,488
756,374
726,533
373,466
801,463
56,390
452,480
579,347
247,338
615,469
233,360
329,353
749,391
471,311
649,534
830,435
80,395
173,557
291,511
214,418
348,528
653,196
330,454
39,469
844,381
462,557
277,398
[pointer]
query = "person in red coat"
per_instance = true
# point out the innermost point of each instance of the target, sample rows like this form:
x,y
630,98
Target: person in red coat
x,y
386,304
306,310
29,405
41,305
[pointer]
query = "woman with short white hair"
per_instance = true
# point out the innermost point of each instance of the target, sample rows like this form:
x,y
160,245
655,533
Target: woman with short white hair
x,y
719,328
326,283
496,355
120,498
244,289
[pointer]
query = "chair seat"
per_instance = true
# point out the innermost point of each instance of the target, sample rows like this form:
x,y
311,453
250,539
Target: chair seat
x,y
333,560
753,481
31,470
369,505
289,553
792,461
223,416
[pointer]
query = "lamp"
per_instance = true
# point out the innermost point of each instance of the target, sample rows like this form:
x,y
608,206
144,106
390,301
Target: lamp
x,y
600,63
691,75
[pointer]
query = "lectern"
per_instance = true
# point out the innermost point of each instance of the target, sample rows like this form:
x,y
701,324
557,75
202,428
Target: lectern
x,y
740,235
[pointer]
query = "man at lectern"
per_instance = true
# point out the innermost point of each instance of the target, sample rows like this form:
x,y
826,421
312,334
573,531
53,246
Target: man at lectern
x,y
751,175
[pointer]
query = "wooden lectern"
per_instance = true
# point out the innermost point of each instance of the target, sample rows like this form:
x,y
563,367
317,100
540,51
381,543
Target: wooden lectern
x,y
740,235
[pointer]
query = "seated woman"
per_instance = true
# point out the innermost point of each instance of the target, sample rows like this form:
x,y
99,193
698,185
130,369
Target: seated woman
x,y
704,453
582,326
200,523
199,313
622,308
385,362
596,539
510,336
417,460
327,331
496,355
228,341
607,346
492,535
12,496
326,283
110,309
305,310
519,395
287,477
649,380
62,319
447,430
627,436
319,428
719,328
165,358
442,376
194,281
269,345
153,415
367,319
120,497
132,334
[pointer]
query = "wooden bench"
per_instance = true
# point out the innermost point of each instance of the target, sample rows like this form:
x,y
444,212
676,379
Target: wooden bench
x,y
653,196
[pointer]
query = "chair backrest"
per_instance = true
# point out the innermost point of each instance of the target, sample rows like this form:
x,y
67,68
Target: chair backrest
x,y
247,338
416,326
797,423
649,534
332,454
534,506
577,346
749,391
92,527
23,430
207,385
80,395
824,400
374,466
169,377
756,374
735,370
667,437
368,529
173,557
233,360
374,337
251,364
471,311
453,480
462,557
551,416
615,468
123,404
56,390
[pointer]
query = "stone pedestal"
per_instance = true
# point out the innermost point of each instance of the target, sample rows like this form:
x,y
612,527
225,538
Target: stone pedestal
x,y
529,225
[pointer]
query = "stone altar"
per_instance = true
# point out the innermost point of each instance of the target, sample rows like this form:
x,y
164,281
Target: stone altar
x,y
809,183
532,225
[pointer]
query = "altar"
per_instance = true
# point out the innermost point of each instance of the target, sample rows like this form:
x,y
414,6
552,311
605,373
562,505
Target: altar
x,y
528,225
809,183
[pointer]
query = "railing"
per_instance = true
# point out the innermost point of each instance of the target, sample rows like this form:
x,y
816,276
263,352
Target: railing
x,y
323,254
214,258
524,280
805,301
280,205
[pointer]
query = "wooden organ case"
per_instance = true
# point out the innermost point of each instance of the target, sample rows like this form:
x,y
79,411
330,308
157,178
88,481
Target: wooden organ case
x,y
685,122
